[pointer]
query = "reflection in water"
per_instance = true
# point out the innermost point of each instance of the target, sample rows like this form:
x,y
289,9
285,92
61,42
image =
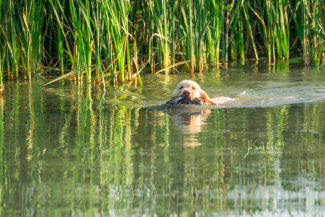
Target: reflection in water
x,y
190,125
65,151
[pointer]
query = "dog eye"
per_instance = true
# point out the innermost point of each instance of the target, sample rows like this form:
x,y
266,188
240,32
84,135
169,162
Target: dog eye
x,y
193,88
181,87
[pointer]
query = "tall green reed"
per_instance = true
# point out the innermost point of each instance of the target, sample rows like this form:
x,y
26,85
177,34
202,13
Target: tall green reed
x,y
1,51
98,23
80,15
28,27
250,23
60,37
240,36
230,30
195,25
14,54
1,71
273,24
118,23
100,34
163,13
309,22
282,29
214,33
5,46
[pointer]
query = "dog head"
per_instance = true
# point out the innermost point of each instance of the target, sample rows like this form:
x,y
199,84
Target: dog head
x,y
190,89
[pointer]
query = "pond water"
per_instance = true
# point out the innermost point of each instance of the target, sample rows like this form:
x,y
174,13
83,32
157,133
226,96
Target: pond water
x,y
72,149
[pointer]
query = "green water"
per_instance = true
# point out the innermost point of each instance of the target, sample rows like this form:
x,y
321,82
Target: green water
x,y
73,149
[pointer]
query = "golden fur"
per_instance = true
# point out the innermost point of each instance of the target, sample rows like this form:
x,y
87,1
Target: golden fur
x,y
191,89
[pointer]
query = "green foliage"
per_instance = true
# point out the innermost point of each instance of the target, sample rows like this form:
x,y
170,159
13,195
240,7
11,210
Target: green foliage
x,y
77,34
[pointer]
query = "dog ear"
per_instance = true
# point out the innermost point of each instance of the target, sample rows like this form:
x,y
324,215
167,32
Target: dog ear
x,y
203,95
206,98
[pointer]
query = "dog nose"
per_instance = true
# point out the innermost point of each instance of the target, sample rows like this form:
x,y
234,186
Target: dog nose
x,y
186,93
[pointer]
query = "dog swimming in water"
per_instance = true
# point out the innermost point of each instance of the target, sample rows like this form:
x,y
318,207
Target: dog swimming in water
x,y
190,92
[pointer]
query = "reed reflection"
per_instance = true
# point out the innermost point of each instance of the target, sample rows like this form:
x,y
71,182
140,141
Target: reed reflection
x,y
65,150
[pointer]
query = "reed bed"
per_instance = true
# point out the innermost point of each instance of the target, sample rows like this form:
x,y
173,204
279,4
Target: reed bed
x,y
117,40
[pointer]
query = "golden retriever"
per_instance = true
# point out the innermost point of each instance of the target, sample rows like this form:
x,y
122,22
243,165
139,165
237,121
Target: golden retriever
x,y
192,90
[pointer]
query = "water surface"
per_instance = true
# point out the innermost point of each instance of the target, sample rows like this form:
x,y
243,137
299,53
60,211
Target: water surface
x,y
72,149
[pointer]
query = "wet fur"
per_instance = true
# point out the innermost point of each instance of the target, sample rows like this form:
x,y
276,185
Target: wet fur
x,y
192,90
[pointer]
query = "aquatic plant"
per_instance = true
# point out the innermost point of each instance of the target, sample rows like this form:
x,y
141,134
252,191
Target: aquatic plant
x,y
26,30
2,55
195,25
117,38
163,14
